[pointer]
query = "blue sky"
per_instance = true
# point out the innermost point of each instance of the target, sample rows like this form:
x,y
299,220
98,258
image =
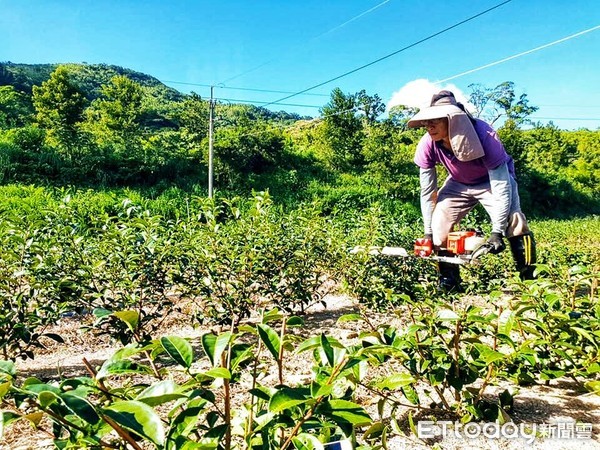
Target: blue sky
x,y
246,47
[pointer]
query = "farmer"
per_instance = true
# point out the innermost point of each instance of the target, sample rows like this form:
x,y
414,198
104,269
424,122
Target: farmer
x,y
479,171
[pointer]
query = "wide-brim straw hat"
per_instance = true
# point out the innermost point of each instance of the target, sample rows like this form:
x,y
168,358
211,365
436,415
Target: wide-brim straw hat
x,y
443,104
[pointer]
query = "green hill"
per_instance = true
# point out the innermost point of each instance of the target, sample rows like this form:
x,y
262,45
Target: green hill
x,y
89,77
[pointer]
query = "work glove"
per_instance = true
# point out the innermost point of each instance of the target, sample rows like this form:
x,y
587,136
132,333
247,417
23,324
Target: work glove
x,y
496,243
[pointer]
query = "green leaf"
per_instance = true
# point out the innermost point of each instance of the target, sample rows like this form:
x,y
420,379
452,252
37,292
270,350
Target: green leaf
x,y
506,322
374,431
81,407
317,390
586,334
411,424
114,368
395,381
179,349
8,368
139,418
161,392
214,346
349,318
271,339
294,321
270,316
130,317
344,411
487,354
218,372
411,394
101,312
185,423
305,441
47,398
4,388
328,350
593,386
309,344
286,398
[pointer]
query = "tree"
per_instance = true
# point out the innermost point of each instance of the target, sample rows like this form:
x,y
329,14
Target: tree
x,y
343,130
113,118
15,108
493,103
399,115
371,106
59,106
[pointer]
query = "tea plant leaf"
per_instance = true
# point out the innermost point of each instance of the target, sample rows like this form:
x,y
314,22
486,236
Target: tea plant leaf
x,y
81,407
586,334
506,322
161,392
130,317
139,418
395,381
294,321
487,354
411,394
179,349
286,398
185,422
593,386
374,431
218,372
111,368
327,349
8,368
214,346
47,398
35,418
271,339
309,344
101,312
411,424
4,388
305,441
344,411
349,318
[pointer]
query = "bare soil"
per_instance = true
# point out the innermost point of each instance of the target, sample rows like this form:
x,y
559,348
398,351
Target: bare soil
x,y
560,402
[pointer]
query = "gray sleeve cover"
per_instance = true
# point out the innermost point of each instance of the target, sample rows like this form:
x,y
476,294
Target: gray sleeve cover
x,y
428,181
501,192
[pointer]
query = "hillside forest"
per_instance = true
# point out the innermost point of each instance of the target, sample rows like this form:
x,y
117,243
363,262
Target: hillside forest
x,y
100,126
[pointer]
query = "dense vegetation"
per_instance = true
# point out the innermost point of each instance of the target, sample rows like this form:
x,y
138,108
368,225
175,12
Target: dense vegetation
x,y
103,126
103,212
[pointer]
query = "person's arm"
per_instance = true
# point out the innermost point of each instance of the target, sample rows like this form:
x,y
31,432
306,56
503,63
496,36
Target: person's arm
x,y
501,191
428,181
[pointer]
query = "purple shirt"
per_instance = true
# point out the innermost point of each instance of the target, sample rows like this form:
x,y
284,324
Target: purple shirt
x,y
430,153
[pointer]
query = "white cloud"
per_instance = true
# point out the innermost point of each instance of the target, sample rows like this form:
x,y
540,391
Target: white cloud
x,y
418,93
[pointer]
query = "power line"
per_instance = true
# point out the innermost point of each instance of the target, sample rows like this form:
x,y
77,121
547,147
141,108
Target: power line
x,y
391,54
519,54
257,102
311,40
241,88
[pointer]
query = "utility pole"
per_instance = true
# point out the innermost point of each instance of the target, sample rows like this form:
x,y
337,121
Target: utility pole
x,y
211,109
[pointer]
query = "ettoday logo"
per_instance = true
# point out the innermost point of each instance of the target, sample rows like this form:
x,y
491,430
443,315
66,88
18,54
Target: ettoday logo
x,y
529,432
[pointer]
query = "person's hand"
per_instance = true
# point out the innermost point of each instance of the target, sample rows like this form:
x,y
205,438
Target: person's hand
x,y
428,236
496,243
